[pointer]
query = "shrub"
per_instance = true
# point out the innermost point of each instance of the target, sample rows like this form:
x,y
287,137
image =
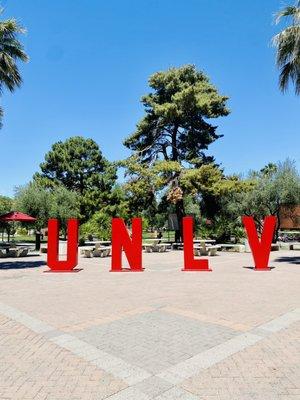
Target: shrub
x,y
98,225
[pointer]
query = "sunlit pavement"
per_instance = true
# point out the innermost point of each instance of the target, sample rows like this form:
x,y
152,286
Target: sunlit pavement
x,y
161,334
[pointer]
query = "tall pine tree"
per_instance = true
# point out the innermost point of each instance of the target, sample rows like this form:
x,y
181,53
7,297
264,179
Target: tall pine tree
x,y
175,127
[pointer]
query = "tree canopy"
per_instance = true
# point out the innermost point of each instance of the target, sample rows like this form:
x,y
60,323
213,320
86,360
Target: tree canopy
x,y
44,203
174,133
175,125
273,187
78,165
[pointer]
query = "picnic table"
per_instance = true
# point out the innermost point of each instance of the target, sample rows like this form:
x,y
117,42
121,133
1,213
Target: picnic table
x,y
179,245
238,248
206,248
97,242
96,251
12,250
156,245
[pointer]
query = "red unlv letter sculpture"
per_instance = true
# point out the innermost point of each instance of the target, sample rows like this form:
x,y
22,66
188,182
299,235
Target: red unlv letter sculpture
x,y
260,248
53,246
132,246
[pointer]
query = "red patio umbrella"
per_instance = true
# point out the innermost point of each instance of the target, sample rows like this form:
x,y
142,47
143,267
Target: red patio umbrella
x,y
16,216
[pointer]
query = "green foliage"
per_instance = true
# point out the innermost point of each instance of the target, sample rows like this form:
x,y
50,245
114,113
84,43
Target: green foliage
x,y
174,126
288,48
79,166
21,231
11,51
64,205
172,137
99,225
43,203
271,188
34,200
6,204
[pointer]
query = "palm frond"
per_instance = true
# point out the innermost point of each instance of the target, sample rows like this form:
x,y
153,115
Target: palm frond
x,y
287,43
287,73
290,11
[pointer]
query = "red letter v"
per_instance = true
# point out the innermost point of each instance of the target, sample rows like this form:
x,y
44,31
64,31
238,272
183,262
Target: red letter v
x,y
260,248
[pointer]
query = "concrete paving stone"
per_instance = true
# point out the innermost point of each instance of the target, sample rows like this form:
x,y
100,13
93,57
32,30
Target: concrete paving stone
x,y
176,394
164,339
229,334
130,393
153,386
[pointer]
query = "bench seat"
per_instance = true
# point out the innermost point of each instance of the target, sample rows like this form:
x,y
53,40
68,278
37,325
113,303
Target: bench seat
x,y
238,248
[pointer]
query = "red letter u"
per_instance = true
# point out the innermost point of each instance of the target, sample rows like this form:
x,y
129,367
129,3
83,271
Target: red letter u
x,y
53,246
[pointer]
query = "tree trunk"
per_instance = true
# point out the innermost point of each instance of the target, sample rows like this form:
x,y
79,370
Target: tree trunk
x,y
174,144
179,205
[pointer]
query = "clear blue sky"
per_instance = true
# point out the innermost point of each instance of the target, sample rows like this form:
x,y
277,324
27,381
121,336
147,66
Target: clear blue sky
x,y
90,61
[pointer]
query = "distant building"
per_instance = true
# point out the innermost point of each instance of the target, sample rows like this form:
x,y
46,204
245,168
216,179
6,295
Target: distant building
x,y
290,217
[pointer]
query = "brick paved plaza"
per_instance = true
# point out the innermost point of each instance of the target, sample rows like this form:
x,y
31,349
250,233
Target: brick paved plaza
x,y
162,334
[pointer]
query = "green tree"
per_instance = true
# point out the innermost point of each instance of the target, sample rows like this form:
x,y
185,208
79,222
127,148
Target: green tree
x,y
36,201
45,203
6,205
175,127
100,223
287,43
270,192
79,165
11,51
64,205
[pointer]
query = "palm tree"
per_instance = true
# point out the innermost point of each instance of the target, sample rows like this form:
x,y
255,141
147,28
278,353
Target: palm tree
x,y
11,51
288,48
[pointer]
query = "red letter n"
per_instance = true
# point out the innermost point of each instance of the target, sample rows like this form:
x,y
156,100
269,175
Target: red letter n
x,y
190,264
132,246
53,246
260,248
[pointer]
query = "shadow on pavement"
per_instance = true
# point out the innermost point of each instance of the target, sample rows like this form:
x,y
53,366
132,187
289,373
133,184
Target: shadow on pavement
x,y
290,260
256,270
21,264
